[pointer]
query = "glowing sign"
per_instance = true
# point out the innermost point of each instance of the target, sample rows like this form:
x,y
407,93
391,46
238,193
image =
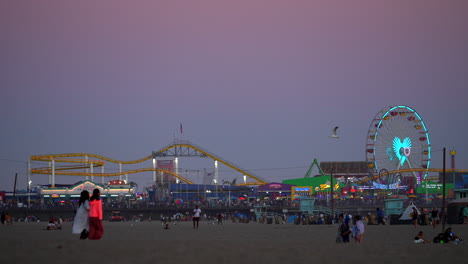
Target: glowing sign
x,y
402,149
301,191
275,186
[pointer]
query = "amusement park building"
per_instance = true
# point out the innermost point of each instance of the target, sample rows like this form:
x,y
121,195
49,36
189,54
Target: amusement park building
x,y
356,169
74,190
200,192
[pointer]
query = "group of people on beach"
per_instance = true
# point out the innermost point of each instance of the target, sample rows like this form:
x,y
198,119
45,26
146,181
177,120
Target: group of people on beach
x,y
88,218
446,237
344,230
5,219
422,218
55,224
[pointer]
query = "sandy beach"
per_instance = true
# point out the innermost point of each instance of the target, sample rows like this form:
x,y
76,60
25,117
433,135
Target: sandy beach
x,y
148,242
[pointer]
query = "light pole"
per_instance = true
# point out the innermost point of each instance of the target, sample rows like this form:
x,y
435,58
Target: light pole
x,y
332,191
29,195
443,192
229,196
452,154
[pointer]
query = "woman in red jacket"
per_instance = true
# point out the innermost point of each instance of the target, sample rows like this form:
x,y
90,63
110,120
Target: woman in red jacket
x,y
96,229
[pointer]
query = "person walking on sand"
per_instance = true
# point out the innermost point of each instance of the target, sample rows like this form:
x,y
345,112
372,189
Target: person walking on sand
x,y
465,215
8,219
81,219
435,217
359,229
96,230
196,216
415,217
219,216
343,229
380,217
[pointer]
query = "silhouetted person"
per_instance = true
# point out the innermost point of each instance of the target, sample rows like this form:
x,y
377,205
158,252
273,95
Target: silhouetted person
x,y
196,216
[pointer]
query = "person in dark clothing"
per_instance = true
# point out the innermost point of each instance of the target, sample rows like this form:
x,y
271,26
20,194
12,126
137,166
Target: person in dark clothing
x,y
344,229
380,217
450,236
440,239
434,217
219,216
415,217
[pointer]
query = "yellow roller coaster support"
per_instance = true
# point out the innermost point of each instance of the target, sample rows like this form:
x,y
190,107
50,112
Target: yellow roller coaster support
x,y
65,170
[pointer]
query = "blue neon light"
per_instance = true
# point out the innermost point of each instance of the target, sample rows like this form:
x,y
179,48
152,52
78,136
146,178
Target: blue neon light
x,y
398,145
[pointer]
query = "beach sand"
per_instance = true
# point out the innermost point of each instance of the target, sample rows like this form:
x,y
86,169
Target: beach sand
x,y
148,242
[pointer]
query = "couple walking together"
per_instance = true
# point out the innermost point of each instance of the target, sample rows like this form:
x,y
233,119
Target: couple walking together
x,y
88,217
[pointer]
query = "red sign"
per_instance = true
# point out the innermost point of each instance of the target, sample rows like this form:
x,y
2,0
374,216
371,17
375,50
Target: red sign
x,y
274,186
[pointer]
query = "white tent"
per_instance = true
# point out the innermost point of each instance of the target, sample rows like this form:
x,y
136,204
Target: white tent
x,y
407,213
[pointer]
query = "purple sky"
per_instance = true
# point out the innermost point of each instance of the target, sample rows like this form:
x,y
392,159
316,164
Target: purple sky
x,y
260,83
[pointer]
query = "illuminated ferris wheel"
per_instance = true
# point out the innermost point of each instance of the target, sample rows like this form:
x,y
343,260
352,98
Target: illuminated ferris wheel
x,y
398,140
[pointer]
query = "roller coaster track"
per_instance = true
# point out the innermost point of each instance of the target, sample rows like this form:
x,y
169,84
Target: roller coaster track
x,y
58,157
189,145
408,170
85,164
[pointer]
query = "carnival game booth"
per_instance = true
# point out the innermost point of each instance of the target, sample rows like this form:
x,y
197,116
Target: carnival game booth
x,y
274,191
63,192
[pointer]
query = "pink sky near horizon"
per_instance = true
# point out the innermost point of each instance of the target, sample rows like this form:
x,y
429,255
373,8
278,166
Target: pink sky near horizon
x,y
117,77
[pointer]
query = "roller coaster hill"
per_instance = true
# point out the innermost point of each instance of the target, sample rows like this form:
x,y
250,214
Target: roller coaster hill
x,y
166,175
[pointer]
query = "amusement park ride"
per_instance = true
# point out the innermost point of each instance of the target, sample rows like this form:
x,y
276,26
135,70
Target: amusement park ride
x,y
398,153
398,149
75,163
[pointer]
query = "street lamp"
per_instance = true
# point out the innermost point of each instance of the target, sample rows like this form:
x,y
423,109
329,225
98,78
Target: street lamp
x,y
332,201
29,196
452,154
229,196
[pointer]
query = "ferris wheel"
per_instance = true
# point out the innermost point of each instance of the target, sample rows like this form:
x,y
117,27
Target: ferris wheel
x,y
398,143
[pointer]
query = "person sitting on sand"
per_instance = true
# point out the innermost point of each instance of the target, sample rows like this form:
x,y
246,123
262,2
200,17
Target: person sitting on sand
x,y
450,236
440,239
52,225
419,239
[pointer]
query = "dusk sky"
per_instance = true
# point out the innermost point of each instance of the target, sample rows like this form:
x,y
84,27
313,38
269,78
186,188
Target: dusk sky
x,y
258,82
